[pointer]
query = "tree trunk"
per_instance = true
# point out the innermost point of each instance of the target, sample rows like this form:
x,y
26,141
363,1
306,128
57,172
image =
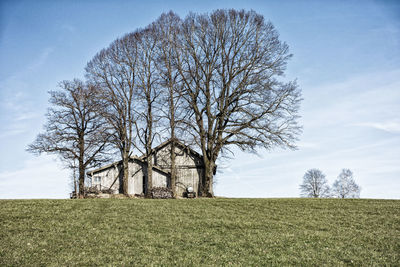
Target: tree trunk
x,y
172,127
149,175
81,165
207,183
173,168
149,141
75,185
75,182
81,179
125,178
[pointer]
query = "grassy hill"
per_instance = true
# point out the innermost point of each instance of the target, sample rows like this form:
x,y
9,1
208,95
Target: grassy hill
x,y
199,232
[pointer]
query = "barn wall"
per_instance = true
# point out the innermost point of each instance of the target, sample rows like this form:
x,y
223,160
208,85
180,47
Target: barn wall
x,y
160,179
189,167
107,178
187,177
135,182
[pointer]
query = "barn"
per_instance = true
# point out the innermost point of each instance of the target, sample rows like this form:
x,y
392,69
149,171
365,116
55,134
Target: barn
x,y
189,168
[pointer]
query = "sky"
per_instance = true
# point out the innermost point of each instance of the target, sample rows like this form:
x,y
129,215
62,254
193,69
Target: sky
x,y
346,60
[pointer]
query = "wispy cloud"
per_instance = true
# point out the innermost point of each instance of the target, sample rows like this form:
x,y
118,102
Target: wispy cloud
x,y
17,81
371,97
17,114
50,180
41,59
21,125
302,145
16,104
388,126
68,28
10,132
26,116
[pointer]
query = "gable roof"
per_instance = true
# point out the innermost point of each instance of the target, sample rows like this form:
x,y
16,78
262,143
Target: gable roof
x,y
178,143
133,158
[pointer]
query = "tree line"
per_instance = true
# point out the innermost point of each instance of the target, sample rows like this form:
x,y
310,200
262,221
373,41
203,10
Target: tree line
x,y
315,185
212,81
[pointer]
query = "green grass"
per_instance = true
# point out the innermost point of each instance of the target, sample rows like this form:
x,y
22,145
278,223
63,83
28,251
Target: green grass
x,y
199,232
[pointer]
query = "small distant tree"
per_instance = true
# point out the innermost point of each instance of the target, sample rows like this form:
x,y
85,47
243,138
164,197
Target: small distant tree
x,y
345,186
74,130
314,184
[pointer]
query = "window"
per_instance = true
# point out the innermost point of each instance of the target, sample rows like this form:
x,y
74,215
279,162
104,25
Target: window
x,y
97,179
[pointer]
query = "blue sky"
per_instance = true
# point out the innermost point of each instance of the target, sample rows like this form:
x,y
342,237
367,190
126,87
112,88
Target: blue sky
x,y
346,60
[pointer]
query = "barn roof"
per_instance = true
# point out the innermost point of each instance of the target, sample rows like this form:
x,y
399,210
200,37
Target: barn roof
x,y
178,143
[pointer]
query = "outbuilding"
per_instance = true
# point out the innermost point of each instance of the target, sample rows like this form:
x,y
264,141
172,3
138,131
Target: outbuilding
x,y
189,171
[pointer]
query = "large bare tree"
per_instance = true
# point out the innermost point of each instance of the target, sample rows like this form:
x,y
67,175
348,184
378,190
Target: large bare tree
x,y
167,27
74,130
229,63
114,70
147,91
225,66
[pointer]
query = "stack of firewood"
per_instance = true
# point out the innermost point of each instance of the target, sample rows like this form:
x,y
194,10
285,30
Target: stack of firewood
x,y
107,191
92,190
96,190
161,192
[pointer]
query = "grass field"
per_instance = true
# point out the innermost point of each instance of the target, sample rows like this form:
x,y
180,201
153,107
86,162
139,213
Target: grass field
x,y
199,232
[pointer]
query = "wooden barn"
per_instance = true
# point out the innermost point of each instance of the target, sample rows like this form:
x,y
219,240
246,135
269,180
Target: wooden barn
x,y
189,168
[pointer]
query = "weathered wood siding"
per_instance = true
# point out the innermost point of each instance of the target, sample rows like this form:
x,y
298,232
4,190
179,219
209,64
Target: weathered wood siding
x,y
160,179
135,182
189,167
187,177
107,177
137,170
183,158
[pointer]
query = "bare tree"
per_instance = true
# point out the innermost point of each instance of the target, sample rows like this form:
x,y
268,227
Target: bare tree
x,y
225,66
345,186
314,184
147,93
228,63
114,70
167,27
74,130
